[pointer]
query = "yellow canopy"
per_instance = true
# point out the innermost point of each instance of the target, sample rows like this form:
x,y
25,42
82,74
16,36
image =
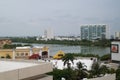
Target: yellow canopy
x,y
59,55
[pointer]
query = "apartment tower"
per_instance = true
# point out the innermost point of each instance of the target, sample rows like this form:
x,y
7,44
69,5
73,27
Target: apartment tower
x,y
94,31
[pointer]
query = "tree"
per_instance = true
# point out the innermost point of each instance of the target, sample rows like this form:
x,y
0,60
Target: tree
x,y
67,58
81,71
98,69
95,69
118,74
57,74
69,74
104,69
105,57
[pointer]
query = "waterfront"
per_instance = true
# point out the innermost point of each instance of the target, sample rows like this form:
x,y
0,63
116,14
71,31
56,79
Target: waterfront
x,y
54,48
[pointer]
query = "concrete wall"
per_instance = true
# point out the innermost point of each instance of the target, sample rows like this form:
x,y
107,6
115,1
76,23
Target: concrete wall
x,y
33,71
23,73
46,78
9,75
109,77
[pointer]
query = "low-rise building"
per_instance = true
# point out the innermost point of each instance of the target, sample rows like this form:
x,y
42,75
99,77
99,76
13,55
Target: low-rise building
x,y
73,38
24,52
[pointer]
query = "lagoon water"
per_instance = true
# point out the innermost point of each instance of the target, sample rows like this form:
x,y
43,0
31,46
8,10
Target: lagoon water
x,y
54,48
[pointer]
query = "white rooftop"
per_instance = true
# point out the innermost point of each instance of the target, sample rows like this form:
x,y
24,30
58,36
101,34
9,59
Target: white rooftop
x,y
10,65
25,47
37,47
59,63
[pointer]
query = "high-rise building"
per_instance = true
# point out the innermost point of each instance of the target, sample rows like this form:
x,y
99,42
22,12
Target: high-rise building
x,y
94,31
117,35
48,34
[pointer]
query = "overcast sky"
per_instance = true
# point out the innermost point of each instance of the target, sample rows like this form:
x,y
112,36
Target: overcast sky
x,y
32,17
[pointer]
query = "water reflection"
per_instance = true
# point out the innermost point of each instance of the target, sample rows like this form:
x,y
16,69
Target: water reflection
x,y
53,49
76,49
94,50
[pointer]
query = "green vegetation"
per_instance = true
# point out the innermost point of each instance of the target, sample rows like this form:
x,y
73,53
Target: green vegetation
x,y
97,70
12,46
84,55
8,56
105,57
67,58
103,43
118,74
68,74
2,57
81,72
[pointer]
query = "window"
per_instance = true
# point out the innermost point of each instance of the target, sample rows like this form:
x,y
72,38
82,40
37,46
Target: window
x,y
17,54
22,54
26,54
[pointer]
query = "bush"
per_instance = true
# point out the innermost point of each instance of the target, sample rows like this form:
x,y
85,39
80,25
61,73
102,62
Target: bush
x,y
85,55
105,57
2,57
8,56
118,74
112,71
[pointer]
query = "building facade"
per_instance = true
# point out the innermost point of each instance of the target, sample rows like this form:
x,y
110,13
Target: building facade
x,y
48,34
24,52
117,35
94,31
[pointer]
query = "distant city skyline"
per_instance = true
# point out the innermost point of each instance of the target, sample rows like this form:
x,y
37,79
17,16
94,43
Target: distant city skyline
x,y
32,17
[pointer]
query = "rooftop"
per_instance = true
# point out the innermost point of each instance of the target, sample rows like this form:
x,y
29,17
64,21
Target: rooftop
x,y
10,65
24,69
87,62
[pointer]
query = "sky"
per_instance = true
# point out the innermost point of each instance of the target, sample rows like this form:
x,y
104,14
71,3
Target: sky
x,y
64,17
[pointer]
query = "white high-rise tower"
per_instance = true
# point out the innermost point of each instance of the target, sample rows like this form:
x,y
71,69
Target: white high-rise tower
x,y
94,31
48,34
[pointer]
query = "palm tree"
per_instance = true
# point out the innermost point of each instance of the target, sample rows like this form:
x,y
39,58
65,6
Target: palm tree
x,y
67,58
95,69
69,72
81,71
98,69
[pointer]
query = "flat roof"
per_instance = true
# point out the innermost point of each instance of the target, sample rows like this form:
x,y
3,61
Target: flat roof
x,y
59,63
12,65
